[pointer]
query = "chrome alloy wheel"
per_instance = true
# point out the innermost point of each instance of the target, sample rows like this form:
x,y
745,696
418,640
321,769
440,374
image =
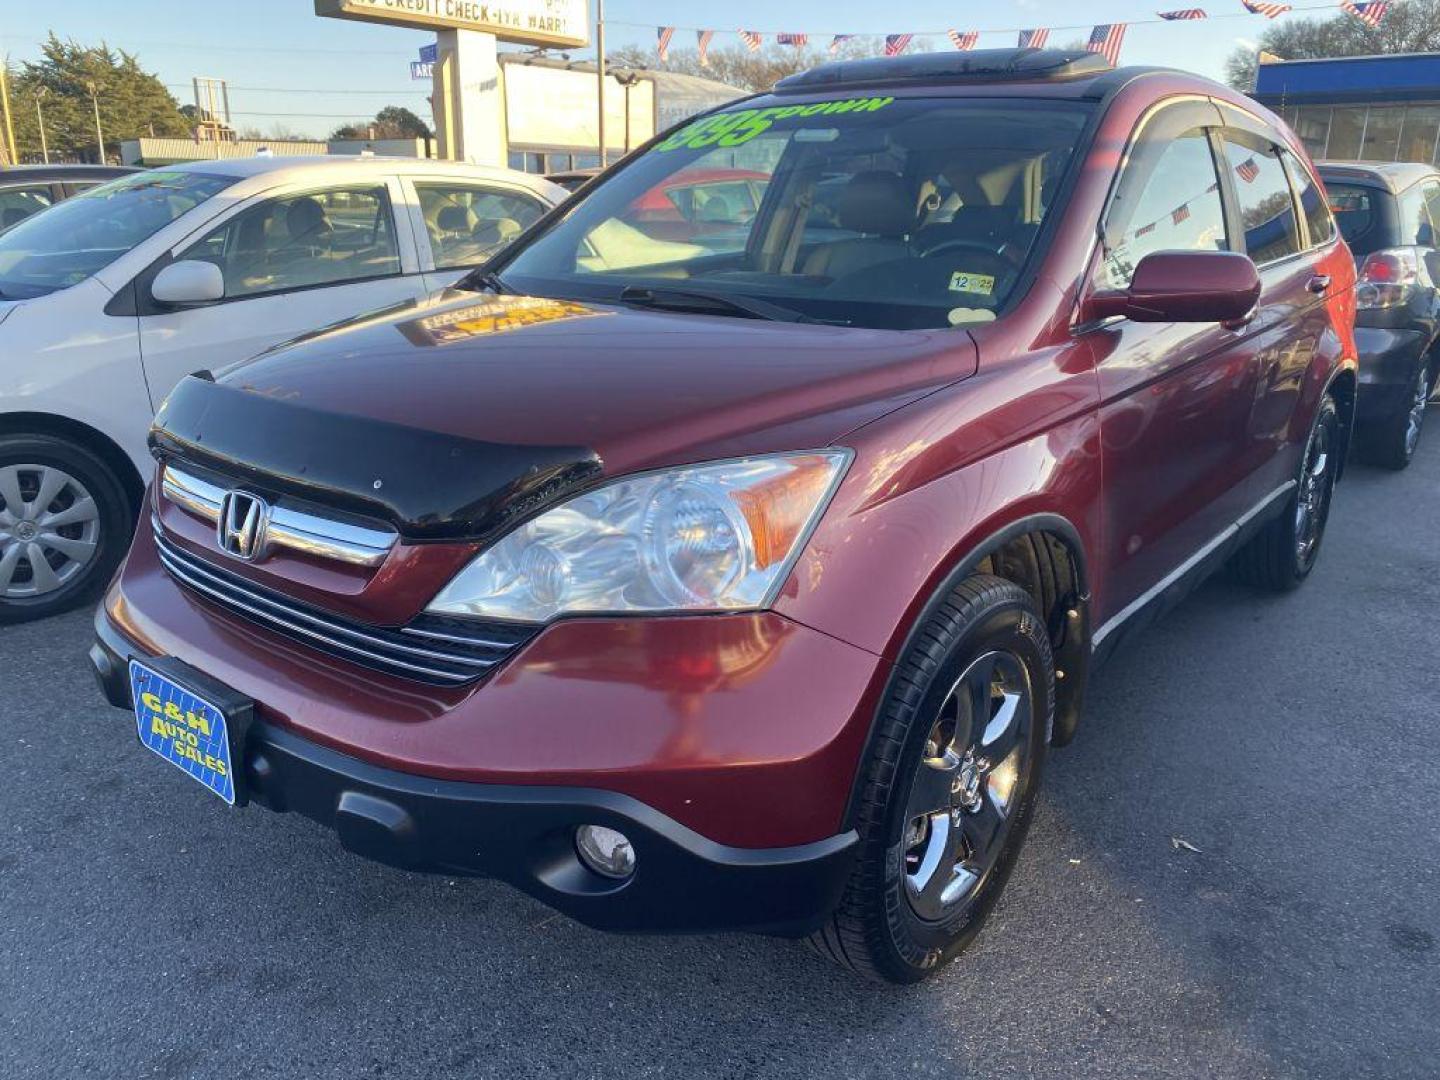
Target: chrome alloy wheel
x,y
1312,503
1416,417
959,812
49,530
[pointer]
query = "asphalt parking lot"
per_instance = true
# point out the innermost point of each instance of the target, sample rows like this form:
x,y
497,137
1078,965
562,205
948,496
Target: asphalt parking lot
x,y
1233,873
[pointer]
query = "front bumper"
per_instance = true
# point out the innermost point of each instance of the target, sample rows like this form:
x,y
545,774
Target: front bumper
x,y
1387,371
524,834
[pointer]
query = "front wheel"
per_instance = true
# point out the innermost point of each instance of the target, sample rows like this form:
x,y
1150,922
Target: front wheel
x,y
948,784
1283,553
65,522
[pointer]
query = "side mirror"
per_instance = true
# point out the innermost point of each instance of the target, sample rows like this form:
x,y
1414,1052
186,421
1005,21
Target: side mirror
x,y
188,282
1184,286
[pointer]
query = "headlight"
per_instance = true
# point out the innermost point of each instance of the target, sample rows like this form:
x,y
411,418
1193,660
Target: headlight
x,y
715,537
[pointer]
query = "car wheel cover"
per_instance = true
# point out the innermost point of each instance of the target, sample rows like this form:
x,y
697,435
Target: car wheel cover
x,y
1312,504
1416,417
49,530
967,785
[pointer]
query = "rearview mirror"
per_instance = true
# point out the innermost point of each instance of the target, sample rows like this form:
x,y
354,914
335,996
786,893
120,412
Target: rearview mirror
x,y
189,282
1184,286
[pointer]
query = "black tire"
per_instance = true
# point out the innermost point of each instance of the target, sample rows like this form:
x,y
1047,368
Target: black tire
x,y
113,523
1279,557
1390,443
877,930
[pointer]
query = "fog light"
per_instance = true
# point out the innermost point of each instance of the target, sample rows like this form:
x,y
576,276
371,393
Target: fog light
x,y
605,851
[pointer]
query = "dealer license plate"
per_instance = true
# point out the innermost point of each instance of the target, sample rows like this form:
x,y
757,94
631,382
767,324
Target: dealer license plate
x,y
184,729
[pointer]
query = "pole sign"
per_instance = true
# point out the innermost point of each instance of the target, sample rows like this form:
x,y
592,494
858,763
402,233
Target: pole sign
x,y
524,22
429,53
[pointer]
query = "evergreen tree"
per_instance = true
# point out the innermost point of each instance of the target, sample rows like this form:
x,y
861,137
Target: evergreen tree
x,y
133,102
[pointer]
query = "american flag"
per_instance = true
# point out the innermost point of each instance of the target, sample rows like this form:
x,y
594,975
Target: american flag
x,y
1145,229
1248,170
798,40
752,39
964,42
1183,14
702,45
1213,187
1034,39
1179,214
663,34
1270,11
1105,39
837,41
1370,12
895,44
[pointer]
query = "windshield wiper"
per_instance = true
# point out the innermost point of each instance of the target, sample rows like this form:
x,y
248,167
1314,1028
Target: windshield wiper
x,y
489,281
708,303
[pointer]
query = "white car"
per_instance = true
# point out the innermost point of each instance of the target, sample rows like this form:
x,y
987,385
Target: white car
x,y
110,298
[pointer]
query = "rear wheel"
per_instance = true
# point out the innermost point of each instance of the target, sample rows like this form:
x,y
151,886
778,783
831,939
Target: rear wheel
x,y
1392,442
65,522
948,786
1282,555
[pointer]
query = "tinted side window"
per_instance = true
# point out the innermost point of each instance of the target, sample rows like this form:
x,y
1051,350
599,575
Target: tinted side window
x,y
1168,198
1415,224
1313,205
1430,191
1358,212
1267,208
301,241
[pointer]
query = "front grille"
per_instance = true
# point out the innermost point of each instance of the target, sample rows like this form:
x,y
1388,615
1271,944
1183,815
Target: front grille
x,y
433,649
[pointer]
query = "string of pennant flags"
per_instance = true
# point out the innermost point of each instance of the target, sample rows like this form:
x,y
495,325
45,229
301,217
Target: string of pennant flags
x,y
1105,39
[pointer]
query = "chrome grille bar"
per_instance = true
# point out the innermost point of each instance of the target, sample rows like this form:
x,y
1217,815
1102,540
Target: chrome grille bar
x,y
448,658
300,530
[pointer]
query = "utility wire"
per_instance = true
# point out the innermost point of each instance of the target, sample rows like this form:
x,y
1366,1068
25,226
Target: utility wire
x,y
1037,22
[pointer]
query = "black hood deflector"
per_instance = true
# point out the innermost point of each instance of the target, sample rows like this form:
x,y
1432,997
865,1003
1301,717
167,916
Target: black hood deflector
x,y
429,485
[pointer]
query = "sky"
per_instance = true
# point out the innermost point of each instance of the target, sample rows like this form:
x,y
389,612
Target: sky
x,y
288,67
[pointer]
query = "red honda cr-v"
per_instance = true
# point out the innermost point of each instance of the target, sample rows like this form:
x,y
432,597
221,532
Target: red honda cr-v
x,y
744,579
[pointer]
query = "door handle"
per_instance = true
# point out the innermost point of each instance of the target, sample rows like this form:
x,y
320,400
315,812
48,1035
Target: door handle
x,y
1319,284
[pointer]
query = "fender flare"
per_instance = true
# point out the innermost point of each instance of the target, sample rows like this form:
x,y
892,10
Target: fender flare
x,y
1072,654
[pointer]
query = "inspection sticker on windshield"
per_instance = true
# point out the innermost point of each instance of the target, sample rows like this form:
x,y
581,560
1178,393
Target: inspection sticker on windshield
x,y
964,281
734,128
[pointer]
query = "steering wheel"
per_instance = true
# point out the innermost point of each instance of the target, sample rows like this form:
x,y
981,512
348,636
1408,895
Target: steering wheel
x,y
962,245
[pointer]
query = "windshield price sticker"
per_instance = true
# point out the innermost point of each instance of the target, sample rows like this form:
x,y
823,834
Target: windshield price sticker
x,y
735,128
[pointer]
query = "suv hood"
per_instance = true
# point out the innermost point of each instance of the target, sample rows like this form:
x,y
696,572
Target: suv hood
x,y
450,415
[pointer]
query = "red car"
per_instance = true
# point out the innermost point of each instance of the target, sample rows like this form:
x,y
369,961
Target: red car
x,y
749,587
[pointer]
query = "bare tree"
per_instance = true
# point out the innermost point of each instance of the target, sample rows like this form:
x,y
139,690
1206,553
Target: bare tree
x,y
736,65
1413,26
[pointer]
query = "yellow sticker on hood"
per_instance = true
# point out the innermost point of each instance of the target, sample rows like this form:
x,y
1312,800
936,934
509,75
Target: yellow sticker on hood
x,y
964,281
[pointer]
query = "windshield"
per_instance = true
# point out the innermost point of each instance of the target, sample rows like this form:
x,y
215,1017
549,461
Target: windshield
x,y
870,211
66,244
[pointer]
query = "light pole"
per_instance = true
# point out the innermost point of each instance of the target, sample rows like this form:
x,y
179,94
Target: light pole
x,y
99,135
40,93
600,71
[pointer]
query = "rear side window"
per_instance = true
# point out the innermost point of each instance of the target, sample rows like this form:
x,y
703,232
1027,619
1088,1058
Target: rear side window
x,y
1167,199
1313,206
1357,212
1415,224
1267,207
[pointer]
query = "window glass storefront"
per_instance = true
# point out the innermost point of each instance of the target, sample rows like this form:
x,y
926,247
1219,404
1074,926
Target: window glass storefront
x,y
1417,134
1347,126
1368,133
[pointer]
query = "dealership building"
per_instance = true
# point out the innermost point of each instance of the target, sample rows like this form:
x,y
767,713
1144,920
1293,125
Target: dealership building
x,y
1359,108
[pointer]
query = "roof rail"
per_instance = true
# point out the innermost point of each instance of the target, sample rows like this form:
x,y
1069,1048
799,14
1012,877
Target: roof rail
x,y
982,65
